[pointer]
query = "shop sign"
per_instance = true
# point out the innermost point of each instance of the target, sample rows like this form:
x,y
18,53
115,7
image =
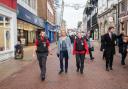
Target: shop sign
x,y
25,15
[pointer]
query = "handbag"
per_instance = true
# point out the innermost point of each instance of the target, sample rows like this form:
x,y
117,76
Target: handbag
x,y
92,48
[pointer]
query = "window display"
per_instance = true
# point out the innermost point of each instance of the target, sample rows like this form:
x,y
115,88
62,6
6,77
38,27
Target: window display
x,y
4,33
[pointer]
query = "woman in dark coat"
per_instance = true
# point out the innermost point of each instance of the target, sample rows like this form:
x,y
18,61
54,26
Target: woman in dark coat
x,y
123,50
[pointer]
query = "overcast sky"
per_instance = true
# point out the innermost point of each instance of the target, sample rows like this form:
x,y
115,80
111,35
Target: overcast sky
x,y
71,15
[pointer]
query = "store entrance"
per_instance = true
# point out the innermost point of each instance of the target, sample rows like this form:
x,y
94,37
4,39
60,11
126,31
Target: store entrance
x,y
26,37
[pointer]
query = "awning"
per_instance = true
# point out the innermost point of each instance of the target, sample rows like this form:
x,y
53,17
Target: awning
x,y
25,15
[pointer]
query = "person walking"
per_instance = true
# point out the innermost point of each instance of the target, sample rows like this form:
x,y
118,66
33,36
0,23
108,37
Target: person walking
x,y
102,47
123,49
90,46
80,49
64,51
110,40
42,49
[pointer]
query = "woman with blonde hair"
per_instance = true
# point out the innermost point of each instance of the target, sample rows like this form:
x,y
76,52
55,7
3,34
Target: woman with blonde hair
x,y
64,50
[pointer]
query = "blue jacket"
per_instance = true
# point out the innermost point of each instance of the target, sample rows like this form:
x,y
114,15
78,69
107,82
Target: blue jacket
x,y
68,43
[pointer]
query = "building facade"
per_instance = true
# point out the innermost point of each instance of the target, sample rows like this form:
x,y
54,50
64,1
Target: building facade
x,y
28,21
108,15
46,11
8,28
123,16
90,18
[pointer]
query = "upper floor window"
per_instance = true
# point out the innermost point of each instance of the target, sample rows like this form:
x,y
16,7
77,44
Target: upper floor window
x,y
124,5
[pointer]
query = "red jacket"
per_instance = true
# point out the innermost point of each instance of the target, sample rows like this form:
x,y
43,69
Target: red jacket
x,y
47,42
80,52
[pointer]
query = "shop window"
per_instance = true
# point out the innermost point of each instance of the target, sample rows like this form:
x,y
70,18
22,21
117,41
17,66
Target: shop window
x,y
1,21
4,33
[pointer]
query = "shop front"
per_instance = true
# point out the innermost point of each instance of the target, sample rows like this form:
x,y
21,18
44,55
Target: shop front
x,y
124,22
7,33
50,31
27,24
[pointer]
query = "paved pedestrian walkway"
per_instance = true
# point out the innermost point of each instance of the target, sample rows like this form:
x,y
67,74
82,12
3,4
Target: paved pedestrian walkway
x,y
11,65
94,77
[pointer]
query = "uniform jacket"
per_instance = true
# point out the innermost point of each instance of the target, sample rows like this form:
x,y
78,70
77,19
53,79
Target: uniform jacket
x,y
81,52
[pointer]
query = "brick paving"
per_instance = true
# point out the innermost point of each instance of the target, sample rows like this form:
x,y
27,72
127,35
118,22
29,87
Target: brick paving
x,y
94,77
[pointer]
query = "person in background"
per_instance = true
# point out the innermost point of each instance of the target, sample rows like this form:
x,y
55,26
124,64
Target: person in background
x,y
109,39
124,49
80,49
90,46
42,49
64,51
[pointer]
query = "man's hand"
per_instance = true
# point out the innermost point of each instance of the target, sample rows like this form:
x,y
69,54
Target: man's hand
x,y
127,50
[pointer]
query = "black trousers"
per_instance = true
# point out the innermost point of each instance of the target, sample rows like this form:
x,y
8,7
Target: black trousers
x,y
103,54
123,57
64,57
80,61
109,60
90,53
42,58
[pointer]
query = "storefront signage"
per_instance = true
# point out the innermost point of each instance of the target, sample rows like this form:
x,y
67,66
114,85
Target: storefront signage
x,y
27,16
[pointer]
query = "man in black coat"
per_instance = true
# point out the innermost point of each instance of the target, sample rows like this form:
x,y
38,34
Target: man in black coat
x,y
102,47
110,42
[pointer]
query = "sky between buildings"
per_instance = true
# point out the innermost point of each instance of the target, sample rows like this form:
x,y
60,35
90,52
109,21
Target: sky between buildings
x,y
72,16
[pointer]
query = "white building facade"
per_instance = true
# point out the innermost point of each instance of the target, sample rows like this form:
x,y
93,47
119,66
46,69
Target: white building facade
x,y
107,15
8,33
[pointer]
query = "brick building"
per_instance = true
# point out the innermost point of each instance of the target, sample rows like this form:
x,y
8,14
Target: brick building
x,y
46,11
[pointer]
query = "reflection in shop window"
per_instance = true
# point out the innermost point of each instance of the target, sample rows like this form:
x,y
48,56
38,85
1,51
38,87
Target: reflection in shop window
x,y
4,33
1,21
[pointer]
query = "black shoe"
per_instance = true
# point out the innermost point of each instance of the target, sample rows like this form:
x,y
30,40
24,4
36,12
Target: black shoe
x,y
77,70
111,68
43,78
66,71
107,69
61,71
122,63
81,72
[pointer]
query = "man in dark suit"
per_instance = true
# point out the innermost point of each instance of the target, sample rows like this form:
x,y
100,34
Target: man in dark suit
x,y
110,40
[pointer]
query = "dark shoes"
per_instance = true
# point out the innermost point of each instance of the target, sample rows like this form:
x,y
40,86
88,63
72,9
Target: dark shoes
x,y
111,68
107,69
43,78
66,71
61,71
77,70
122,63
81,72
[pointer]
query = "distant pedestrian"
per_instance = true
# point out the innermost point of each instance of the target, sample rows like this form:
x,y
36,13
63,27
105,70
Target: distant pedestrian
x,y
64,51
80,49
110,40
42,50
123,48
90,45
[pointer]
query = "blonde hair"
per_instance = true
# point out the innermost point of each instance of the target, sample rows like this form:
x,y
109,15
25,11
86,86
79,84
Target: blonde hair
x,y
63,31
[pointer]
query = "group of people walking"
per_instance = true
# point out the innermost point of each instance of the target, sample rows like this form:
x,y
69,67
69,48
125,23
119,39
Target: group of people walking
x,y
108,43
80,49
